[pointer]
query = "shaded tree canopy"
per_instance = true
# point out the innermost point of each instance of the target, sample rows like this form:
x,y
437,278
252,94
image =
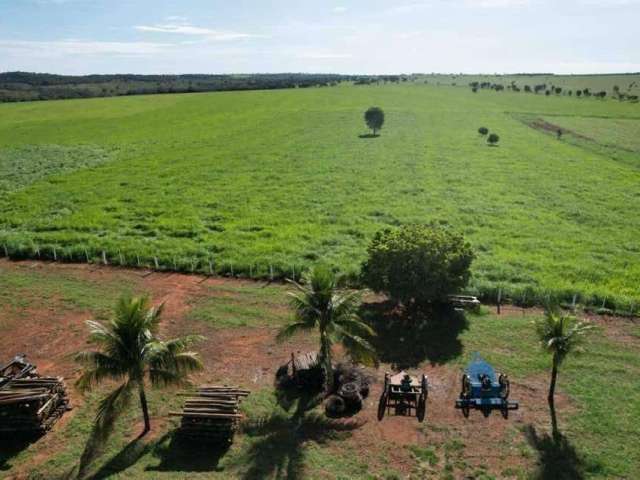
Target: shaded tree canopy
x,y
418,264
374,118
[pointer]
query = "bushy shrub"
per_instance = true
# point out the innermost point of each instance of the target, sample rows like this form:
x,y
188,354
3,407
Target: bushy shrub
x,y
418,264
493,139
483,130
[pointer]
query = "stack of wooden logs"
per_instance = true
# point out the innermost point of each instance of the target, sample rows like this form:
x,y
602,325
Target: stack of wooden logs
x,y
212,413
30,403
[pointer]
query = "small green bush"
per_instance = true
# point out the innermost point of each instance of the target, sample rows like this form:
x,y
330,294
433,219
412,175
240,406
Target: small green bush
x,y
418,264
493,139
483,131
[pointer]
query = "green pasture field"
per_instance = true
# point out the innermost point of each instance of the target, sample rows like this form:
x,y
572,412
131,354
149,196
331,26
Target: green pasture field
x,y
266,183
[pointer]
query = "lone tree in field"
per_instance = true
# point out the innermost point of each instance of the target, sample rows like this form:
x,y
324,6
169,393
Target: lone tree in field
x,y
374,118
483,131
320,305
129,352
493,139
560,335
417,265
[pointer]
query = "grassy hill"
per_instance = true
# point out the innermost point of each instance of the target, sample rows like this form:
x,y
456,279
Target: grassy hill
x,y
271,181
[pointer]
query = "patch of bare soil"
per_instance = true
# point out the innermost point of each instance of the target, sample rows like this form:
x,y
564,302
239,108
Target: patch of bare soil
x,y
616,328
493,444
543,125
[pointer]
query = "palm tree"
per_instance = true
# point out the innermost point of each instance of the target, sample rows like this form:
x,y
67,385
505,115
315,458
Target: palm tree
x,y
559,335
128,351
320,305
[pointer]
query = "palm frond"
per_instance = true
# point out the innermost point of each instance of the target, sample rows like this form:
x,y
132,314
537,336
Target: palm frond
x,y
291,329
359,349
356,326
159,356
177,345
98,367
560,334
163,378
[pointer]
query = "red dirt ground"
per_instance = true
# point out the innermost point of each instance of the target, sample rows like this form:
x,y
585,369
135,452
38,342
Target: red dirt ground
x,y
250,356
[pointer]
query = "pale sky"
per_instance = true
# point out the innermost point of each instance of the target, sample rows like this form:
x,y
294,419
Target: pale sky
x,y
357,36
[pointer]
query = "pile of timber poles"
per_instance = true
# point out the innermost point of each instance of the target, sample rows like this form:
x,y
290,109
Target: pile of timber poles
x,y
30,403
212,412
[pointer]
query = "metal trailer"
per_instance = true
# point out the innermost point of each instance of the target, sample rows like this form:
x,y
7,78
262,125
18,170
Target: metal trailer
x,y
485,390
405,394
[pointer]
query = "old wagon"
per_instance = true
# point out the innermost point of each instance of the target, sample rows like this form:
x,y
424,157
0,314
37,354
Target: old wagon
x,y
404,395
484,389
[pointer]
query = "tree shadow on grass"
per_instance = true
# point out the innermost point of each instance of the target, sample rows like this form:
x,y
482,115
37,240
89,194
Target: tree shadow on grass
x,y
11,446
558,459
407,338
368,135
277,445
125,458
179,454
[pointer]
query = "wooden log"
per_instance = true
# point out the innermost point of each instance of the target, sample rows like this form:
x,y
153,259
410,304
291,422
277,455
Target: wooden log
x,y
24,399
210,405
211,400
48,404
205,415
209,409
220,395
18,394
229,393
222,389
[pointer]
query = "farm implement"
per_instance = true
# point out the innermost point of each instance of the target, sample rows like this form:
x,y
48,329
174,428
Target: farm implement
x,y
485,390
405,394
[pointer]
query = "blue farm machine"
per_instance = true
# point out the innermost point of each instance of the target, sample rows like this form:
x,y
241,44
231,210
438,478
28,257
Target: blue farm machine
x,y
485,390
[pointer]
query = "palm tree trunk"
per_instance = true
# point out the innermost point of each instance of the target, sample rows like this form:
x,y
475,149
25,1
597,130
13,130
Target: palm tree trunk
x,y
325,361
552,385
145,408
551,399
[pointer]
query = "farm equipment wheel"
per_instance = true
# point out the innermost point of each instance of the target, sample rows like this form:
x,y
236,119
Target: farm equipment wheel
x,y
382,405
466,386
505,386
424,383
335,406
421,409
505,410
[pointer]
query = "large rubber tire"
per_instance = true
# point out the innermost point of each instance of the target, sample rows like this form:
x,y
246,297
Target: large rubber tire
x,y
466,386
382,405
334,406
350,389
505,387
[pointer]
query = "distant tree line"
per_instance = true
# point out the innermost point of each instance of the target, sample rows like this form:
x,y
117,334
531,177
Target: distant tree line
x,y
548,90
24,86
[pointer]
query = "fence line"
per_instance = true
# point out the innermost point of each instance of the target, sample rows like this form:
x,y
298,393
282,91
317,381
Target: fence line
x,y
207,265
